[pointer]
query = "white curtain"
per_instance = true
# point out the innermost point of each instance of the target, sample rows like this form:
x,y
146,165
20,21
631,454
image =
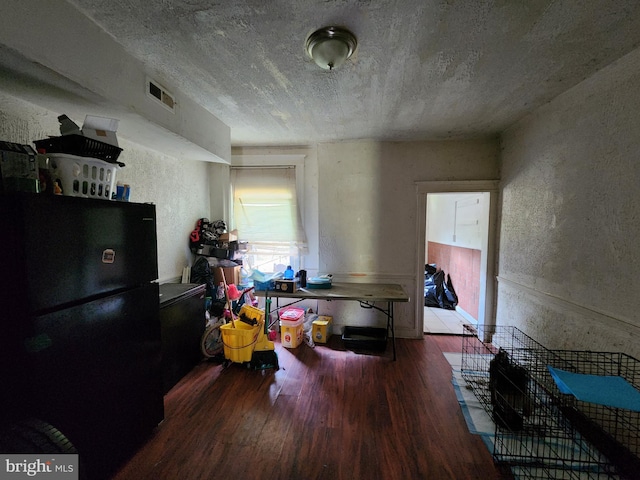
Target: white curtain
x,y
265,209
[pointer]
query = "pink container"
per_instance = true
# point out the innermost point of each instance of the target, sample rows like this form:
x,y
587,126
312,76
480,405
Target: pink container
x,y
291,314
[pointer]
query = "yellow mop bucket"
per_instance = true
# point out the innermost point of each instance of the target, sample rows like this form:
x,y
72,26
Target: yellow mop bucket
x,y
240,340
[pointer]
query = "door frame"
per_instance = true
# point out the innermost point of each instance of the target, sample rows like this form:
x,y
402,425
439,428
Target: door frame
x,y
459,186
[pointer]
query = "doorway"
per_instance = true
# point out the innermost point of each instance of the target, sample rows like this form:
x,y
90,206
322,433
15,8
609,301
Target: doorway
x,y
456,244
486,286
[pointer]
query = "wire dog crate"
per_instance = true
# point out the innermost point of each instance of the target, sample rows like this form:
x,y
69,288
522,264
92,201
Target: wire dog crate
x,y
477,356
540,432
615,432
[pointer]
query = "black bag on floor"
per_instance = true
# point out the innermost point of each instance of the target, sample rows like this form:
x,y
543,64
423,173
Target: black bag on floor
x,y
449,297
433,289
437,292
201,273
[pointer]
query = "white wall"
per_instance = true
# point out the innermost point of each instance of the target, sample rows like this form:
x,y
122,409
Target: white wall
x,y
569,263
360,202
220,191
367,201
180,191
459,219
179,188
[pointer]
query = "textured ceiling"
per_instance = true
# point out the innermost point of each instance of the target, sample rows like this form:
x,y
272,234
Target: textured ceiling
x,y
423,69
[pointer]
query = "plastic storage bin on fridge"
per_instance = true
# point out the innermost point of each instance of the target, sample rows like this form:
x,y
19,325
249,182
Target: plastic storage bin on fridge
x,y
83,176
79,145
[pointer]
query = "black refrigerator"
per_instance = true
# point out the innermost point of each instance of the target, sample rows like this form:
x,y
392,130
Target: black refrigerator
x,y
80,344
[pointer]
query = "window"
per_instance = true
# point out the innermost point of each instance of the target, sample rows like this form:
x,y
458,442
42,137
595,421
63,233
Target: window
x,y
266,214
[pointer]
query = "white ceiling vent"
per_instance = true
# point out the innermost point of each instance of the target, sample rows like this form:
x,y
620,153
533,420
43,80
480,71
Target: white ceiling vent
x,y
161,95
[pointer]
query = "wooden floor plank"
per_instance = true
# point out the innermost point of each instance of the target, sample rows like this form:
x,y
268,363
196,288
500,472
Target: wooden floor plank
x,y
327,413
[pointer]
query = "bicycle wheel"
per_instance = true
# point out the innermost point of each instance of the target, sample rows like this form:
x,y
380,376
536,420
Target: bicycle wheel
x,y
211,343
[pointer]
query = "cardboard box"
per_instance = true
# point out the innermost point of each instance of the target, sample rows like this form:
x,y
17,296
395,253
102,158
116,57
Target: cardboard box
x,y
101,129
321,329
231,236
97,128
286,286
231,275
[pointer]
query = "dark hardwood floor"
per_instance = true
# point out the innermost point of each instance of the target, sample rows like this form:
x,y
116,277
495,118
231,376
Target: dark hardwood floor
x,y
326,413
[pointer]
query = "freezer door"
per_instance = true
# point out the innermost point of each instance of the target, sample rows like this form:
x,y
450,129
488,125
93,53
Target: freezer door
x,y
62,250
94,373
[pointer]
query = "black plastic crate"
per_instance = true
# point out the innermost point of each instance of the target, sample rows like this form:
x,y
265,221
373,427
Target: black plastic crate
x,y
365,338
81,146
217,251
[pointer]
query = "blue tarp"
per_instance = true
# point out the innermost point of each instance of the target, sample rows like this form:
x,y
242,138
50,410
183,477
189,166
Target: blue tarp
x,y
610,390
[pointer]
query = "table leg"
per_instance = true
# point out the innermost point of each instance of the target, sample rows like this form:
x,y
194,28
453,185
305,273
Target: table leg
x,y
393,330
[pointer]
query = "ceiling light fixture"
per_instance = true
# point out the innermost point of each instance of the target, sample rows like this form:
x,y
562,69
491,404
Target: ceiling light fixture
x,y
329,47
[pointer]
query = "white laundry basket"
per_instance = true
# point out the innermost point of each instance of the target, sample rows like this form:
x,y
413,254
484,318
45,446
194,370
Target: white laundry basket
x,y
83,176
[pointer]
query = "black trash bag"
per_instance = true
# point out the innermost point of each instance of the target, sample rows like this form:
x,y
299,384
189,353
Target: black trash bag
x,y
437,292
449,297
217,308
430,269
433,289
201,273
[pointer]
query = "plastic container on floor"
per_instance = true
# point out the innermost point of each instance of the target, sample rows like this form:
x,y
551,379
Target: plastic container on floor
x,y
365,338
321,329
291,333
